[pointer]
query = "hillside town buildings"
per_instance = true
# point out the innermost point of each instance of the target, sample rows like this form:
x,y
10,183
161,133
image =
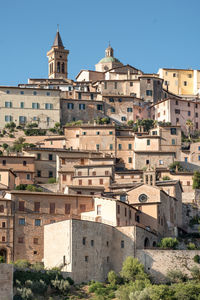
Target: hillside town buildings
x,y
113,176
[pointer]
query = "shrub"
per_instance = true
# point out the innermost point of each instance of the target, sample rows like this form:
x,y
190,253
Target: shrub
x,y
32,125
197,259
195,272
175,165
5,146
24,293
38,287
132,269
166,178
191,246
34,132
113,278
11,135
61,285
169,243
70,280
22,264
176,276
94,286
52,180
2,259
37,266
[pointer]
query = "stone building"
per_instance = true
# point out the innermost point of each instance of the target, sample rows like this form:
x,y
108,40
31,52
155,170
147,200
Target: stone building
x,y
29,105
23,215
22,166
178,112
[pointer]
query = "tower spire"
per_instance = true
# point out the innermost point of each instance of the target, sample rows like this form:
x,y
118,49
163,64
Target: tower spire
x,y
58,41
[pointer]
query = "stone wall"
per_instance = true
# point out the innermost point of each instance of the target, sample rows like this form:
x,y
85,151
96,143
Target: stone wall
x,y
6,282
158,262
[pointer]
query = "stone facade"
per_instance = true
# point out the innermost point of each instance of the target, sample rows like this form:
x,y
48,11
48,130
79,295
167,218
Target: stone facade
x,y
158,262
6,282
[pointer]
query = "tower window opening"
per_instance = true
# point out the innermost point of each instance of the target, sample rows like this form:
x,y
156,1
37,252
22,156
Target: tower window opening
x,y
58,67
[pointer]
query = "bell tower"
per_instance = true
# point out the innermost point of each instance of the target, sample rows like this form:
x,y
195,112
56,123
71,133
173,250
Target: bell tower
x,y
58,58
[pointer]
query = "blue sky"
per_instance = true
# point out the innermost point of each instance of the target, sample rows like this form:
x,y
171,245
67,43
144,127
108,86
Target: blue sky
x,y
147,34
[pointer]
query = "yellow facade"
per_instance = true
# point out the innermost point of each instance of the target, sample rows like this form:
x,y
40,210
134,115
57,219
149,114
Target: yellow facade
x,y
181,81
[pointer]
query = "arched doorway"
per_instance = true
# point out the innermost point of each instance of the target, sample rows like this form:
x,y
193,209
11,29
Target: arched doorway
x,y
146,243
154,244
3,255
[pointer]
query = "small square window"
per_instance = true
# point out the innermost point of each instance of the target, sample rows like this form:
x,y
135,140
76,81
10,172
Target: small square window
x,y
148,142
122,244
22,221
37,222
84,241
35,241
20,240
86,258
92,243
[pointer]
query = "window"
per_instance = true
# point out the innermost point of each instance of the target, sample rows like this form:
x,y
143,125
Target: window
x,y
48,106
166,82
67,209
79,173
99,210
174,74
199,157
177,120
110,132
130,160
92,243
50,156
86,258
199,148
38,173
94,173
129,109
97,147
154,132
3,239
52,208
131,83
173,131
122,244
173,142
189,75
111,146
64,177
147,162
148,80
82,207
189,113
79,96
112,109
36,206
111,100
21,205
81,106
8,104
48,93
84,133
89,182
196,115
105,85
106,173
7,92
36,119
185,83
4,162
149,93
177,111
188,104
24,163
119,100
8,118
38,156
100,181
50,174
80,182
35,105
176,102
161,162
35,241
123,118
22,221
70,105
20,240
115,85
48,120
185,159
22,120
196,105
84,240
119,146
34,93
28,176
123,198
98,132
92,96
35,252
148,142
99,107
37,222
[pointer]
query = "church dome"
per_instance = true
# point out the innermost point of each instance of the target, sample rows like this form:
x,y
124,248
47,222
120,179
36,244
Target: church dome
x,y
108,59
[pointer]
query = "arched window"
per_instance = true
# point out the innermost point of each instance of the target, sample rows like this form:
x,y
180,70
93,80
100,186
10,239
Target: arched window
x,y
58,67
63,67
146,243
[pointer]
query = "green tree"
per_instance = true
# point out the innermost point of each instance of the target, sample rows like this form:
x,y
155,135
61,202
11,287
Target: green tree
x,y
196,180
132,269
169,243
189,125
